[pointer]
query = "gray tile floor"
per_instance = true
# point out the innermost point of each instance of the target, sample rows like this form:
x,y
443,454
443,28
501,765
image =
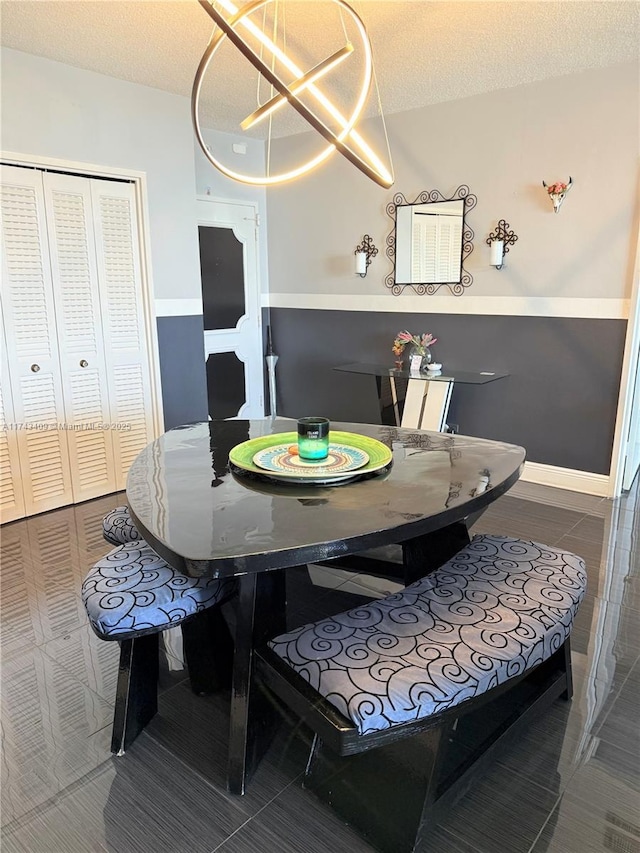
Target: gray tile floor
x,y
569,784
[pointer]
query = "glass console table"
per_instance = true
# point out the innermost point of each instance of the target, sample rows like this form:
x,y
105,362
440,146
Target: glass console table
x,y
426,403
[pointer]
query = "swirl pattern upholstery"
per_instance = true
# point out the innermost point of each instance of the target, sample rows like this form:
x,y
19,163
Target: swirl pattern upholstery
x,y
133,591
499,607
118,527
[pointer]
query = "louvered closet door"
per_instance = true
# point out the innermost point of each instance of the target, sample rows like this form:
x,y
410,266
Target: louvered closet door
x,y
118,254
80,335
33,363
11,497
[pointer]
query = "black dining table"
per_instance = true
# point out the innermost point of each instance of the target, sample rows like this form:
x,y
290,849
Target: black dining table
x,y
208,519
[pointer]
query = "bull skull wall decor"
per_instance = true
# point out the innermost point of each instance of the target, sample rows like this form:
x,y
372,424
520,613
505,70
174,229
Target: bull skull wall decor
x,y
557,192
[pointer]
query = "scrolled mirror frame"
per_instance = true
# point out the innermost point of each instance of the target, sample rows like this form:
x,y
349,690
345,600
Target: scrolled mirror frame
x,y
466,279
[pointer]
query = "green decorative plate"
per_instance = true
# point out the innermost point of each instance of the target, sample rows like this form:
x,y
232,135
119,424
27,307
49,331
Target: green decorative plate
x,y
378,455
284,459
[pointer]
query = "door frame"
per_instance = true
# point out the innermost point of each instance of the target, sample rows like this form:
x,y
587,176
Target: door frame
x,y
139,180
627,379
632,455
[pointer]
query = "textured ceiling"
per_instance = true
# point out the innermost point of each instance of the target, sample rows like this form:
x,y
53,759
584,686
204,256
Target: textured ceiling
x,y
425,51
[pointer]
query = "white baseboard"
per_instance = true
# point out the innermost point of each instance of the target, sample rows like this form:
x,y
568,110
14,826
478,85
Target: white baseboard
x,y
566,478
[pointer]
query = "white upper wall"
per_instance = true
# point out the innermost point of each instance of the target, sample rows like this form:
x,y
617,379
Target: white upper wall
x,y
502,145
53,110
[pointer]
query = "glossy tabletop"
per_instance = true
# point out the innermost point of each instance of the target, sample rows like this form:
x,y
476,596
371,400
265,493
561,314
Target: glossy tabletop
x,y
464,377
205,520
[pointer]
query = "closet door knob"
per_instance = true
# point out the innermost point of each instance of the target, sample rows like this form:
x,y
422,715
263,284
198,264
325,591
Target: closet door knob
x,y
84,363
35,368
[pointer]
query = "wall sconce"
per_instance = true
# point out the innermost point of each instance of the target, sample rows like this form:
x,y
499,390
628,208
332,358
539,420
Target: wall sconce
x,y
500,240
364,252
557,192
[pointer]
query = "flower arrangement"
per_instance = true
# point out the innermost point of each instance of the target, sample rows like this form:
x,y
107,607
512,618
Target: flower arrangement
x,y
558,187
420,343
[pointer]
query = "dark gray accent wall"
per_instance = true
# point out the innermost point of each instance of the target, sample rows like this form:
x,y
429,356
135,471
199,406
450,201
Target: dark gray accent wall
x,y
559,401
182,370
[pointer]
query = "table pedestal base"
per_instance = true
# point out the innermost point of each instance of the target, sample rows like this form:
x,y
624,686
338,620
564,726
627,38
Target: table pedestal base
x,y
253,717
425,554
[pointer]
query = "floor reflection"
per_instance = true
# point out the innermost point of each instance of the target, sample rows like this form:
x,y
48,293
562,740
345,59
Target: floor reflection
x,y
569,783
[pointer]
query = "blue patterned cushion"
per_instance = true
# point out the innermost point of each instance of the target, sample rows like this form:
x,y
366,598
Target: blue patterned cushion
x,y
118,527
497,608
134,591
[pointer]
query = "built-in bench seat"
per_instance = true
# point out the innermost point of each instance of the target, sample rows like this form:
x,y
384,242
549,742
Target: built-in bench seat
x,y
131,595
491,626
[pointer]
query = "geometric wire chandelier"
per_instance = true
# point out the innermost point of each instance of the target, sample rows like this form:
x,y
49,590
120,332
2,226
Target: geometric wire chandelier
x,y
289,82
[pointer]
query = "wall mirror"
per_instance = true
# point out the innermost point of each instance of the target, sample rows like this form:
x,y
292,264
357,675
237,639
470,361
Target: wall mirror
x,y
430,240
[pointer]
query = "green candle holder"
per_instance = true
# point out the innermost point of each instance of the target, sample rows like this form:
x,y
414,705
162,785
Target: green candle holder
x,y
313,439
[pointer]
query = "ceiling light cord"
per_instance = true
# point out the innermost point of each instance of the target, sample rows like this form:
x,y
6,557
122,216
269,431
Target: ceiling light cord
x,y
344,26
284,27
381,113
261,54
384,125
272,90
